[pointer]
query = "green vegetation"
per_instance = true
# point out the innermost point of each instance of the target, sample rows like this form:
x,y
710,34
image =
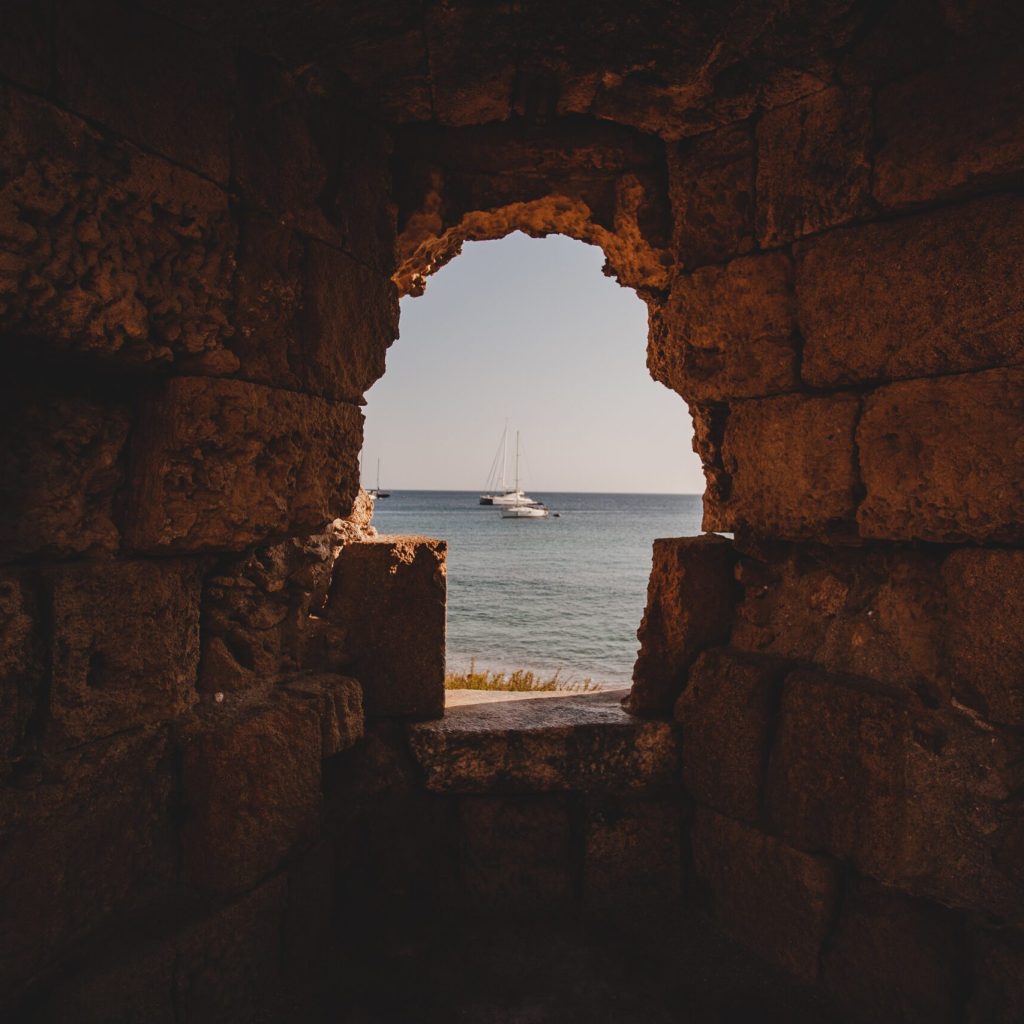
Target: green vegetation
x,y
520,680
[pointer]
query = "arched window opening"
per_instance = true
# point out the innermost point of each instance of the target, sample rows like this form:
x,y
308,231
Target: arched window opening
x,y
521,345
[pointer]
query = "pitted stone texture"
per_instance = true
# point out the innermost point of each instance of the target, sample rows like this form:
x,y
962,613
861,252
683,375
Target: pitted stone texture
x,y
711,187
563,744
125,647
143,250
472,65
350,319
776,900
976,144
690,599
302,152
935,293
88,835
813,164
251,786
728,332
727,716
893,958
709,421
114,66
951,472
595,182
879,614
61,466
516,852
633,856
259,611
223,464
387,605
790,462
924,801
984,631
339,704
21,665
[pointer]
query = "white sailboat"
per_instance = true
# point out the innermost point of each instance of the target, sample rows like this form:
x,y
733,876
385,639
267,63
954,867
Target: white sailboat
x,y
524,509
376,492
496,490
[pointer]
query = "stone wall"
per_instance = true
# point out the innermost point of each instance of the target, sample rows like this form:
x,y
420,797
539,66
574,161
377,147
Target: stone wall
x,y
207,212
196,246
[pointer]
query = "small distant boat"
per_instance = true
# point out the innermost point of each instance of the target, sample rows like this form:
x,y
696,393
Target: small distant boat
x,y
376,492
524,508
496,490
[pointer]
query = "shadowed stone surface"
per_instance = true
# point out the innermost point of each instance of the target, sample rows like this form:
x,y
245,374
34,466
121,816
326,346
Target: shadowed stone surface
x,y
952,472
221,464
572,743
387,605
690,598
773,898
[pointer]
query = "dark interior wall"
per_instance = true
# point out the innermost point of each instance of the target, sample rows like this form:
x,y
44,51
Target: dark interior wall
x,y
204,225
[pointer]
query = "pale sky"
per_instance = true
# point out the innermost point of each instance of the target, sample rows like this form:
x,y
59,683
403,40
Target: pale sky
x,y
530,331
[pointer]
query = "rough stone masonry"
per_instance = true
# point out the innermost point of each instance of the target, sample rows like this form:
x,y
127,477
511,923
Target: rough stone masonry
x,y
207,214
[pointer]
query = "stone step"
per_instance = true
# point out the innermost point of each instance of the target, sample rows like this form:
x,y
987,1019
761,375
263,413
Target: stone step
x,y
580,743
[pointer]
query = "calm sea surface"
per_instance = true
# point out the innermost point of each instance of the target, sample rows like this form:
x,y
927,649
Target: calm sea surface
x,y
545,594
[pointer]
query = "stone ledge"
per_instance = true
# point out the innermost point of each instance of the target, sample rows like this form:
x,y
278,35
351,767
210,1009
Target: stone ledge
x,y
580,743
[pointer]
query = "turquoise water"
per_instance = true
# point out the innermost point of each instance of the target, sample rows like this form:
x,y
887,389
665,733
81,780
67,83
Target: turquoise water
x,y
545,594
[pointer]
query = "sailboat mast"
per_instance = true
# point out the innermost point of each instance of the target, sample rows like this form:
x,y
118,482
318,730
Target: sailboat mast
x,y
517,462
504,458
378,476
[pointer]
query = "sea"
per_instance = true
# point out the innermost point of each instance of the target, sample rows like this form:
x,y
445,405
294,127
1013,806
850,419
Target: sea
x,y
563,594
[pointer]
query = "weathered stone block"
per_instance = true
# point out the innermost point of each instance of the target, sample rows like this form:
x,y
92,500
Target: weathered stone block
x,y
350,319
114,66
87,835
339,704
268,300
790,461
251,783
258,623
931,294
301,151
835,781
61,465
813,164
472,65
711,187
515,852
727,714
633,853
228,964
21,665
893,958
952,471
581,743
984,631
125,647
709,421
389,597
920,800
690,600
143,250
976,144
774,899
728,332
873,613
223,464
